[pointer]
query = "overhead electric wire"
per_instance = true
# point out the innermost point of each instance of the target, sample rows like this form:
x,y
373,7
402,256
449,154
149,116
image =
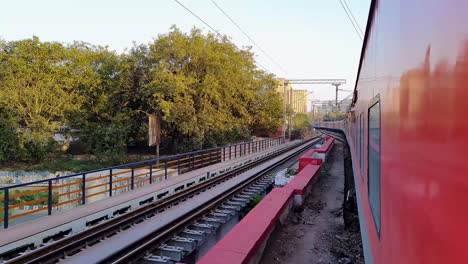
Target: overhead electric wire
x,y
249,37
199,18
212,28
352,15
351,20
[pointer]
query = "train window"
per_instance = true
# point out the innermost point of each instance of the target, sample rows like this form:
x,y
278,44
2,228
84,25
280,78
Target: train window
x,y
373,150
361,144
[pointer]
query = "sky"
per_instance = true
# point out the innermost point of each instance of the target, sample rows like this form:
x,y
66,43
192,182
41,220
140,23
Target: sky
x,y
307,38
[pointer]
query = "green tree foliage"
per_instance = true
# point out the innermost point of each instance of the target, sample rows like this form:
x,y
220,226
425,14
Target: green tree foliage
x,y
301,121
301,125
107,141
10,147
206,91
38,83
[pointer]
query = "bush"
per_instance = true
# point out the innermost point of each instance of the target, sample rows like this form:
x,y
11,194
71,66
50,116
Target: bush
x,y
291,171
38,149
106,141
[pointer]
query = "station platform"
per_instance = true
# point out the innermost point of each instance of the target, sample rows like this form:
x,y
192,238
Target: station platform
x,y
75,220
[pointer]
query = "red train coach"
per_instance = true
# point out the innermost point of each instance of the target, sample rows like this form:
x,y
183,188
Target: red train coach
x,y
407,131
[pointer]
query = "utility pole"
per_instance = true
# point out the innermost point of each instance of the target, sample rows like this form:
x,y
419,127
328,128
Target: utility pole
x,y
284,109
290,113
337,85
313,113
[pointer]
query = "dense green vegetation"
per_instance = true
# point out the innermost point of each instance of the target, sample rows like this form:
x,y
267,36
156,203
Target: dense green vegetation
x,y
205,90
301,126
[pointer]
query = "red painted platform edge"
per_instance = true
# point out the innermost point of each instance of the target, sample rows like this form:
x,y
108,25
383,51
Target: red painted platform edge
x,y
303,179
306,158
245,239
326,147
304,161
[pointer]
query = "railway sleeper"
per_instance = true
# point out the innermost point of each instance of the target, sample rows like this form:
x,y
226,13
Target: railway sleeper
x,y
173,252
16,251
244,196
222,217
207,228
236,204
153,259
212,221
224,211
188,244
194,234
251,192
241,200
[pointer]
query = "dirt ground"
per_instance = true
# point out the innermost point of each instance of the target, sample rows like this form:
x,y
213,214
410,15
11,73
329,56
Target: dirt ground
x,y
316,233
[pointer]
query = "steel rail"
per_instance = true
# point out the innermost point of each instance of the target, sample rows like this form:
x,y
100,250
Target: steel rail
x,y
69,245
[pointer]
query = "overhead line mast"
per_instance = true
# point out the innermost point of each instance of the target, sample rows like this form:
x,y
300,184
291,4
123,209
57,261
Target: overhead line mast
x,y
334,82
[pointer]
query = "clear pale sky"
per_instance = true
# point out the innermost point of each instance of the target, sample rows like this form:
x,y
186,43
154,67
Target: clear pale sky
x,y
309,38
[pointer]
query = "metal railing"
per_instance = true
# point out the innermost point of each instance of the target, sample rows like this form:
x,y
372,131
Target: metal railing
x,y
27,201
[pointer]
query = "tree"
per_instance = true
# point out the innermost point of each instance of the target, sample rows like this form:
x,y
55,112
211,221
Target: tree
x,y
206,91
301,125
301,121
36,83
10,147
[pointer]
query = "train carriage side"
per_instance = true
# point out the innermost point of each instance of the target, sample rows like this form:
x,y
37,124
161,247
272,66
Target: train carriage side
x,y
408,132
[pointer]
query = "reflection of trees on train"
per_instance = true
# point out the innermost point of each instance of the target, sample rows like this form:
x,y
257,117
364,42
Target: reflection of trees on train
x,y
374,184
374,138
334,116
433,86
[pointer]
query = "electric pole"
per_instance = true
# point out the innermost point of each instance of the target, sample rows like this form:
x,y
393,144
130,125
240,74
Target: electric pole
x,y
284,109
290,113
336,94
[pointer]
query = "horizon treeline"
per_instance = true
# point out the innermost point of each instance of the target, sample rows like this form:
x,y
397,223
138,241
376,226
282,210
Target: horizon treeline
x,y
205,90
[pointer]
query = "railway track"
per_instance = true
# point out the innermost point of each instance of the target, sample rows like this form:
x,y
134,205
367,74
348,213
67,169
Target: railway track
x,y
68,247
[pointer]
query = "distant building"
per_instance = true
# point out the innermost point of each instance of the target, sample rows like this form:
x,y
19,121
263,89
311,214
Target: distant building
x,y
297,98
284,86
299,101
